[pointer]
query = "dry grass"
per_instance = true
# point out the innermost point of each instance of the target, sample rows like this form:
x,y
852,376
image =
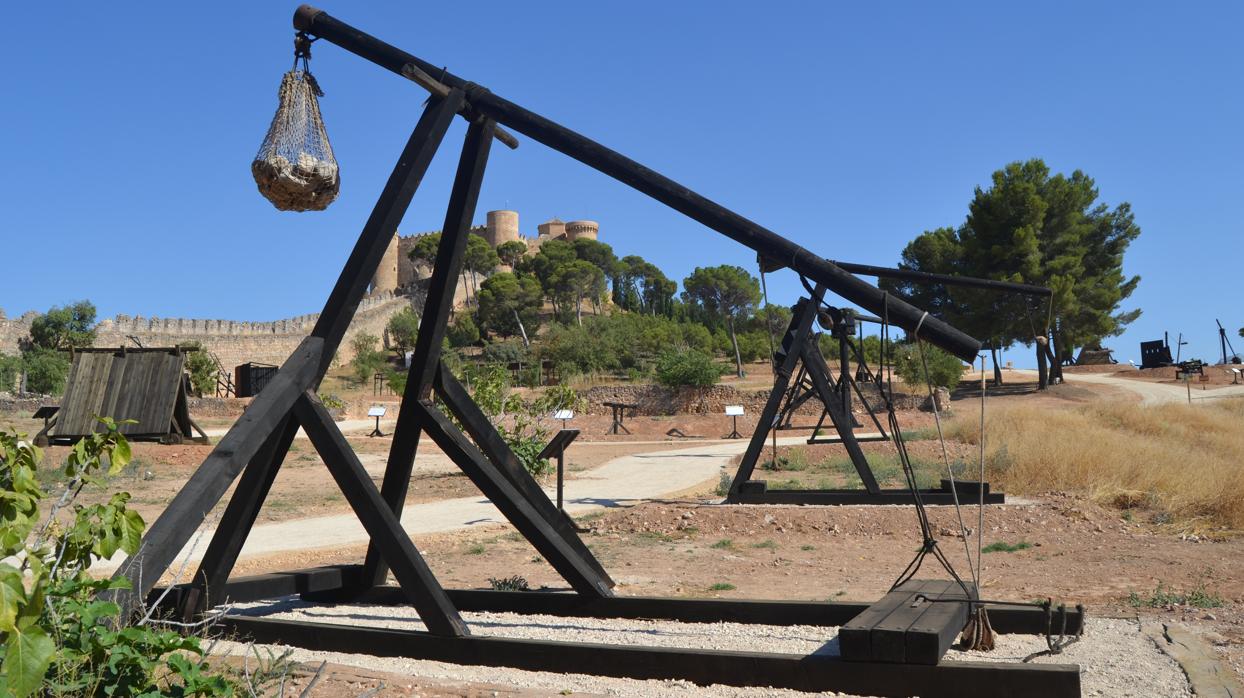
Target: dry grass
x,y
1187,461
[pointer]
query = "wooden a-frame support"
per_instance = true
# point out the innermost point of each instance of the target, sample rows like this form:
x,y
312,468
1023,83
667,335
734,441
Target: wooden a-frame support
x,y
801,374
262,437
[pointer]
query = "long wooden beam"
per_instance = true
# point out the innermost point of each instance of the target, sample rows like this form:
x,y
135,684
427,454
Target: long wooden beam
x,y
314,582
815,672
659,187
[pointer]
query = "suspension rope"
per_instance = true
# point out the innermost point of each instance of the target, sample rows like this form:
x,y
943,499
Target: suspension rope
x,y
950,471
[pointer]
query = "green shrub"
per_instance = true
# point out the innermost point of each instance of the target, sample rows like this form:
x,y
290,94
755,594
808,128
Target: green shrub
x,y
202,369
57,637
10,371
945,369
368,360
46,371
505,352
462,332
686,368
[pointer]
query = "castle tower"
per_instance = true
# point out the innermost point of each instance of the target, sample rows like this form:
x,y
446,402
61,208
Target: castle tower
x,y
385,278
582,229
502,227
552,229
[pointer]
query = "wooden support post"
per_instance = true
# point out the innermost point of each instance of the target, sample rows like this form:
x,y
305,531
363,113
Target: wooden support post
x,y
239,517
796,334
573,567
481,431
182,517
416,579
436,310
818,371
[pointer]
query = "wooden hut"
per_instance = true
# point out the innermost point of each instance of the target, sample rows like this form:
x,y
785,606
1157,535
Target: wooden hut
x,y
147,385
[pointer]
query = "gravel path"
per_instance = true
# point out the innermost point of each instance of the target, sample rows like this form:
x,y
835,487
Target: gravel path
x,y
1117,660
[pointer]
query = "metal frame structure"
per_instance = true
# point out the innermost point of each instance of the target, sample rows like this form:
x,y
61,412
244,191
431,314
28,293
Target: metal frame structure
x,y
256,445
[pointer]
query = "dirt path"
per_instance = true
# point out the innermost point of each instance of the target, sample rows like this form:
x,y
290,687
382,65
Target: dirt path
x,y
1150,393
620,482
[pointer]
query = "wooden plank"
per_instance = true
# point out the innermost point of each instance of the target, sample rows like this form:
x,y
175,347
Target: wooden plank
x,y
182,517
763,495
332,578
412,572
513,505
395,198
935,630
888,637
855,639
812,673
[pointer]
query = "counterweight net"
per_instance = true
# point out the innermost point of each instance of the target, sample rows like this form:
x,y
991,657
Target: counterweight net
x,y
295,168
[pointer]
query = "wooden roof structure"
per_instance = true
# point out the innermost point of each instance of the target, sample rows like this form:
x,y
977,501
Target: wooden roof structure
x,y
147,385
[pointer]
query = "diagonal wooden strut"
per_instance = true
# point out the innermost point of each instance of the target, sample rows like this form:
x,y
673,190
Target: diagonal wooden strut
x,y
242,510
517,508
182,517
485,436
818,371
436,310
413,575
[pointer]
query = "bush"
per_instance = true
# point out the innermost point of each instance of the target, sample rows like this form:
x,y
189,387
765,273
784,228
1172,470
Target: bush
x,y
462,332
202,369
368,360
686,368
753,346
10,371
402,328
58,637
505,353
945,369
46,371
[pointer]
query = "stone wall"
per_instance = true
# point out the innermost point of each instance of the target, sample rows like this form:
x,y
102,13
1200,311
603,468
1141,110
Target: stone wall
x,y
233,341
656,400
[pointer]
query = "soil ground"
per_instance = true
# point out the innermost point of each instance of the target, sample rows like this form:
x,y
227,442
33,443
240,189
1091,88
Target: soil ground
x,y
1117,562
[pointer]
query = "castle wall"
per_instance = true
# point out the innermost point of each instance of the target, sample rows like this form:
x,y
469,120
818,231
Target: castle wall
x,y
234,342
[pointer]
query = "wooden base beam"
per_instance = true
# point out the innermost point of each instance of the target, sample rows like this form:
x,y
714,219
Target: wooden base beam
x,y
816,672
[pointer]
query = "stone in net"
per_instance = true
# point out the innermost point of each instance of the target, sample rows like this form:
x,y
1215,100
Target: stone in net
x,y
295,168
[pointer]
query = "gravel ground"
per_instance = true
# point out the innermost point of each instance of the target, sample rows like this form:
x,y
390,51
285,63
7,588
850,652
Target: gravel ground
x,y
1116,659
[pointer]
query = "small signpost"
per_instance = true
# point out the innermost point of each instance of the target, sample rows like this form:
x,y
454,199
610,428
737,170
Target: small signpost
x,y
564,415
376,411
734,411
557,449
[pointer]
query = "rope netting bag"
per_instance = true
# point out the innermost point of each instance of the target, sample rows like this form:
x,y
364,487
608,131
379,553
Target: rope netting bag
x,y
295,167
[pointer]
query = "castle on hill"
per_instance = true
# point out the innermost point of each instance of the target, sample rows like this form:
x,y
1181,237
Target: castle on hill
x,y
398,271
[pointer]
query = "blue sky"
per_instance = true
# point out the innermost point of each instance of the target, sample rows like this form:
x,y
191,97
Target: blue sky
x,y
128,131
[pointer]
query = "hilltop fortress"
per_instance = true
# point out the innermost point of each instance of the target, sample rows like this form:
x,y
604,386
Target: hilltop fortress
x,y
397,284
398,272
